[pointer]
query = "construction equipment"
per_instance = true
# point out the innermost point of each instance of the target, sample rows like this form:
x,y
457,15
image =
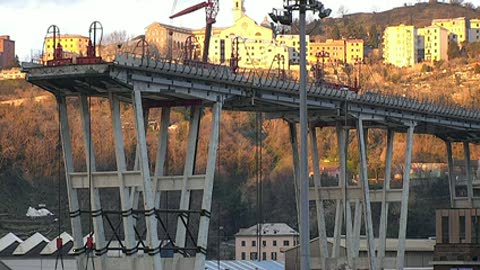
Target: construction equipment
x,y
211,10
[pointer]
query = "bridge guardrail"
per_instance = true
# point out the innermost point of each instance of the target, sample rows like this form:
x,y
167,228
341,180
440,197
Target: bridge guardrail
x,y
266,80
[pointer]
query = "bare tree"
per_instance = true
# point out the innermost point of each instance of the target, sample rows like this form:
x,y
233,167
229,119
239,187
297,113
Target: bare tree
x,y
116,37
469,5
342,11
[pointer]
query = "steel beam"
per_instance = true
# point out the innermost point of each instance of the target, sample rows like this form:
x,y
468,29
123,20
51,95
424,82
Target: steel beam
x,y
451,177
406,191
95,203
188,171
73,204
148,195
385,204
366,195
208,189
124,191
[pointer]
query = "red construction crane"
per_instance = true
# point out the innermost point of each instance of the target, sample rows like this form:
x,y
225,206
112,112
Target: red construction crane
x,y
211,10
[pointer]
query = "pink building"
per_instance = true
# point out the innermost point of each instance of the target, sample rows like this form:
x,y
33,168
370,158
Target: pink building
x,y
7,52
271,241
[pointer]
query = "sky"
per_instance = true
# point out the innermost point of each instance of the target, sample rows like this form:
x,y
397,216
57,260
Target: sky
x,y
26,21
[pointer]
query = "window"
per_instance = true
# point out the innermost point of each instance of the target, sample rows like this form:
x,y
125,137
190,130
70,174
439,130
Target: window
x,y
274,256
462,229
274,243
244,256
253,256
445,239
254,243
264,243
286,243
475,230
243,243
264,256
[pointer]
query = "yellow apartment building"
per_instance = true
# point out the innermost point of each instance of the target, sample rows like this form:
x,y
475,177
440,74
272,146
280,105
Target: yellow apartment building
x,y
399,46
435,43
456,27
342,50
73,45
334,48
354,50
474,30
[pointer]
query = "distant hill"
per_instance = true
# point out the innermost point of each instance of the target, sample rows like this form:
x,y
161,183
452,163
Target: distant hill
x,y
420,14
370,25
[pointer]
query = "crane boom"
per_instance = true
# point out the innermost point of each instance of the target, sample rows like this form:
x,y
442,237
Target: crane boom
x,y
211,10
189,10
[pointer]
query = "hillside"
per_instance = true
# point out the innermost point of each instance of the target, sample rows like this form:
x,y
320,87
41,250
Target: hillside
x,y
420,15
369,25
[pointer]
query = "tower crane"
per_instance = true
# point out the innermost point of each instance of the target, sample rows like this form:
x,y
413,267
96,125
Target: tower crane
x,y
211,11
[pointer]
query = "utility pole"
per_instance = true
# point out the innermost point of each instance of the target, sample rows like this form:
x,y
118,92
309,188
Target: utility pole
x,y
285,17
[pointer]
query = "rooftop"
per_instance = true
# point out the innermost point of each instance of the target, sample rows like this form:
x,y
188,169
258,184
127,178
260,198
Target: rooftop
x,y
268,229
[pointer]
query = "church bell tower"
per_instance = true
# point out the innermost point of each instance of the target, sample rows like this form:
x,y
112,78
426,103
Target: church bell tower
x,y
238,9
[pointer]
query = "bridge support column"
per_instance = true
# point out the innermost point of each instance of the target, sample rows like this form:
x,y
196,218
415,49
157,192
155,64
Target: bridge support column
x,y
148,193
126,203
162,150
294,144
468,172
385,204
322,234
73,204
451,177
342,205
343,139
208,186
357,225
405,195
189,169
366,194
96,207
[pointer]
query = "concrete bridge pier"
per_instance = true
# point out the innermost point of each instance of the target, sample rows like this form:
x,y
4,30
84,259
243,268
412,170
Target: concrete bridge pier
x,y
348,221
135,251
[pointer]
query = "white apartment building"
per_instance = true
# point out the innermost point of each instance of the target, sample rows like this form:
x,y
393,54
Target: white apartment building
x,y
275,239
474,30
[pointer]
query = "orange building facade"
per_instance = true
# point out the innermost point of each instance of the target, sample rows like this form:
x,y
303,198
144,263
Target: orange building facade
x,y
7,52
